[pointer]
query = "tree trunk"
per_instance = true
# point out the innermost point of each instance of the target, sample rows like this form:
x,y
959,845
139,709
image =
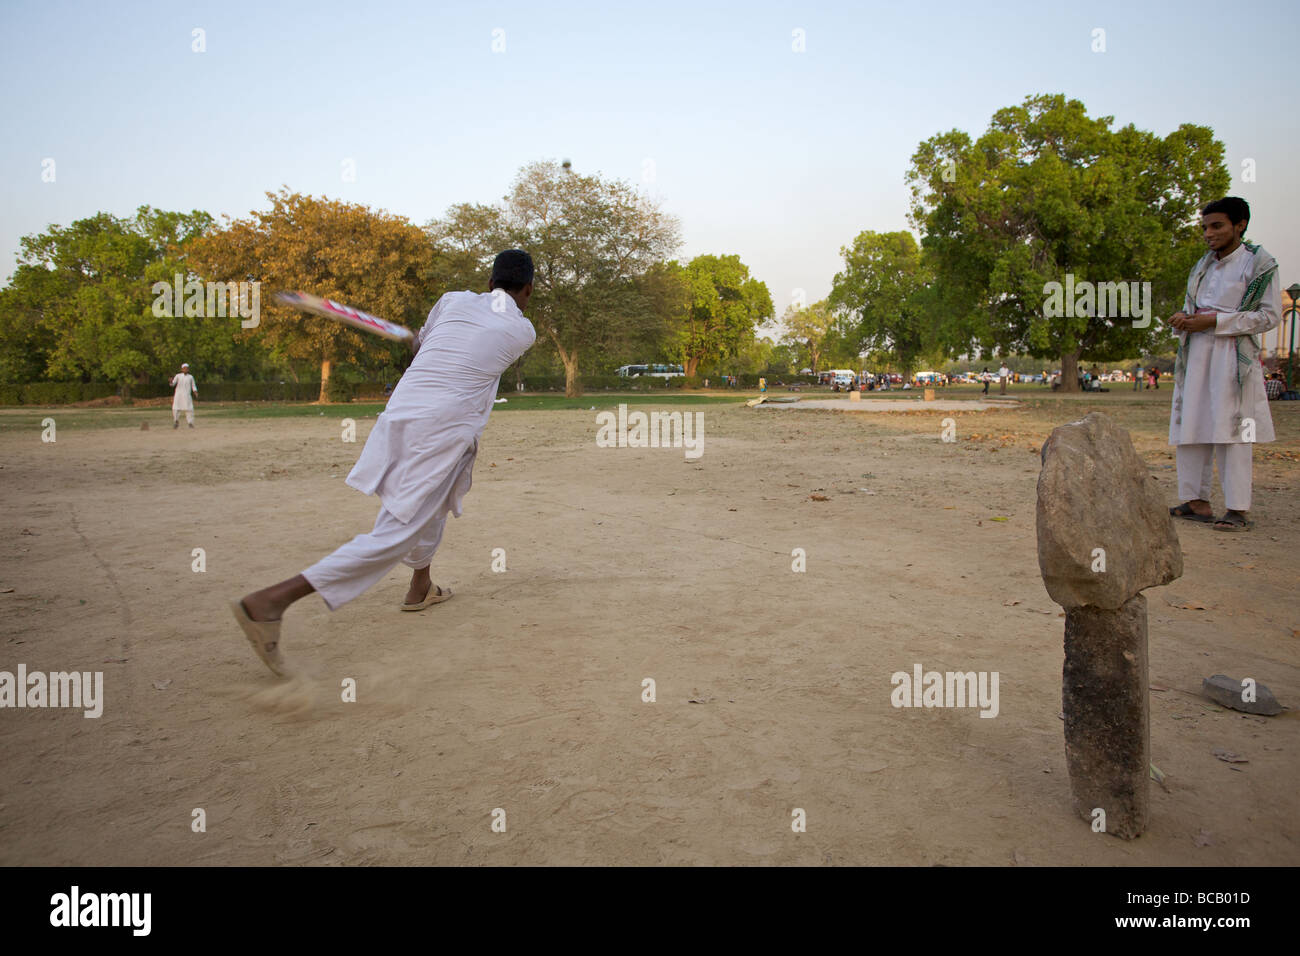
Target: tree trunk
x,y
1070,371
572,383
324,378
691,365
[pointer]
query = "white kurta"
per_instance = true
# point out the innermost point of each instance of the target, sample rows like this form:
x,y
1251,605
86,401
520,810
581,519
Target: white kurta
x,y
1213,405
423,442
182,400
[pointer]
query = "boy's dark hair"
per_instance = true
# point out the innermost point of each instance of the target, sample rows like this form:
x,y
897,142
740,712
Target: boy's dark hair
x,y
1237,210
511,270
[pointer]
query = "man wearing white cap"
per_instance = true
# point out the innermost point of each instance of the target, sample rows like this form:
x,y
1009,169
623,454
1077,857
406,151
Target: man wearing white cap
x,y
182,401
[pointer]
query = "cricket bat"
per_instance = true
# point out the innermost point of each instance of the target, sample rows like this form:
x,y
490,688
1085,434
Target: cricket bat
x,y
347,315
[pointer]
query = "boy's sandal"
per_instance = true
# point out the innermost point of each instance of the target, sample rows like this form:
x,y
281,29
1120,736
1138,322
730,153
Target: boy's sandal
x,y
1185,511
1233,521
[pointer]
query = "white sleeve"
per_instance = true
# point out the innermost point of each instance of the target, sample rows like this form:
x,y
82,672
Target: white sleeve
x,y
1266,317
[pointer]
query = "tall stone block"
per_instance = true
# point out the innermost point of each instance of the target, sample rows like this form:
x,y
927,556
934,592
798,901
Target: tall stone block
x,y
1104,534
1107,705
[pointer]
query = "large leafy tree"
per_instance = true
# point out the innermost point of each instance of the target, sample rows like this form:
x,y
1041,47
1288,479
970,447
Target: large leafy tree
x,y
1047,192
465,241
79,305
806,329
598,247
365,258
722,308
884,299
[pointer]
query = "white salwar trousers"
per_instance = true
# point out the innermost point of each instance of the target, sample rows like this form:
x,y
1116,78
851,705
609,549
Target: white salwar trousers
x,y
1196,472
362,563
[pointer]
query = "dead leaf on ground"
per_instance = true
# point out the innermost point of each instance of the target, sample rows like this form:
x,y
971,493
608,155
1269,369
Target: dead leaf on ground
x,y
819,498
1011,603
1189,605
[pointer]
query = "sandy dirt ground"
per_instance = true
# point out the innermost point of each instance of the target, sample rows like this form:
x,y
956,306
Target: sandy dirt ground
x,y
525,691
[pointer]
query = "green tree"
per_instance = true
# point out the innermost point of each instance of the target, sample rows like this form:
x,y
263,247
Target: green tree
x,y
79,305
723,306
465,241
596,245
806,328
884,299
1048,192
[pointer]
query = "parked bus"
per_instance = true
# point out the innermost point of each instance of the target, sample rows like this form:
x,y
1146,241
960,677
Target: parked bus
x,y
654,371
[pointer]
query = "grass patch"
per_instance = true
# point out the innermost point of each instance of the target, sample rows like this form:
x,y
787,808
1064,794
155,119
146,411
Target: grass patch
x,y
29,418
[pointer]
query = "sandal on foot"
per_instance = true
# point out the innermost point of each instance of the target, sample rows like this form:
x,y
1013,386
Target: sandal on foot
x,y
265,638
436,595
1185,511
1233,521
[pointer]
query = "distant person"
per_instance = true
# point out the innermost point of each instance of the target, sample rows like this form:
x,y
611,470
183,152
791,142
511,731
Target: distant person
x,y
1274,387
1137,379
985,376
1220,405
1004,374
1154,378
183,397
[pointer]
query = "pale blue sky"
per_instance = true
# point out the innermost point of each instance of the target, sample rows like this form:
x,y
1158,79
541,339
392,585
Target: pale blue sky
x,y
781,157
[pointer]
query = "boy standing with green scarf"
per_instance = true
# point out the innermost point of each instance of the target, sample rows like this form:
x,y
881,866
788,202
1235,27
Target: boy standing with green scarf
x,y
1220,406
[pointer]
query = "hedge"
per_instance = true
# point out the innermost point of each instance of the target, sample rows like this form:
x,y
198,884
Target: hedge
x,y
65,393
339,390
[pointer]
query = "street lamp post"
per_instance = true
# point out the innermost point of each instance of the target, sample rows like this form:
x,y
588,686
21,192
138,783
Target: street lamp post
x,y
1294,292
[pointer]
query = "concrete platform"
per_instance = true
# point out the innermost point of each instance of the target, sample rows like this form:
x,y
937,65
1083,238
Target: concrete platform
x,y
898,405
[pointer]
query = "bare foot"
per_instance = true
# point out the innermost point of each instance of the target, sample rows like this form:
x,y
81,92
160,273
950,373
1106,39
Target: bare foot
x,y
418,592
420,585
269,604
260,607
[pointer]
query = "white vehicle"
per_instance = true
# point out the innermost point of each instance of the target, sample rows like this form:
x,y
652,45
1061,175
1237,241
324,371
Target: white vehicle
x,y
928,378
842,377
653,371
